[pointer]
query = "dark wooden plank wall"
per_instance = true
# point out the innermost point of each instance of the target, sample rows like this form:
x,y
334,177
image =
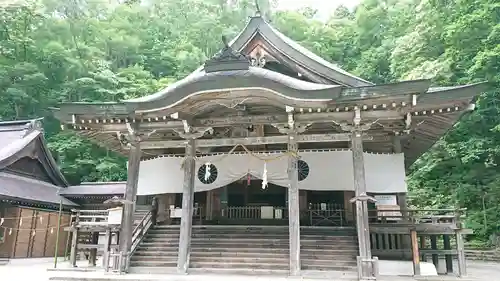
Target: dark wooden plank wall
x,y
22,243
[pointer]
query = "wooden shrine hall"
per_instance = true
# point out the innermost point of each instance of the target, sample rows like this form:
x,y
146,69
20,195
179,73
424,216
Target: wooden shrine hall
x,y
266,130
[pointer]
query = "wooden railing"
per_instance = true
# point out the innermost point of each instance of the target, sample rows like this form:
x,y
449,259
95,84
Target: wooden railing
x,y
325,215
90,217
417,216
434,233
255,212
140,231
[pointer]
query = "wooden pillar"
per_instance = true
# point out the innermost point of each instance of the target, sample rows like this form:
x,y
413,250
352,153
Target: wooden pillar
x,y
74,247
127,225
462,270
74,239
415,253
434,247
107,244
361,204
293,205
93,252
223,198
209,208
187,207
448,258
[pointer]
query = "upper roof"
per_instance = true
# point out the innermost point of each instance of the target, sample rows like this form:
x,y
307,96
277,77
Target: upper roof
x,y
211,97
294,53
25,139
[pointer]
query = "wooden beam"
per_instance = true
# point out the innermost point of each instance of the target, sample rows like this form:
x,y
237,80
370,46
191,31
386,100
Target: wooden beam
x,y
402,228
265,119
313,138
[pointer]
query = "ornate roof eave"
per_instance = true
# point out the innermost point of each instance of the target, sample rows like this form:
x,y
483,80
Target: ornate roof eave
x,y
437,95
429,127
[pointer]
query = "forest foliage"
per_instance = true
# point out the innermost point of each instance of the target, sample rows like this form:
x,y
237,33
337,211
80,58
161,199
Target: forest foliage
x,y
55,51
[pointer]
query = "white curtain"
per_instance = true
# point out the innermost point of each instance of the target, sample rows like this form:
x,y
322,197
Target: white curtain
x,y
330,170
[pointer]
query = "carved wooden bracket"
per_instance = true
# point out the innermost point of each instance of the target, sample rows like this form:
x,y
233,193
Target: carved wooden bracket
x,y
297,128
363,197
356,123
194,133
258,59
133,136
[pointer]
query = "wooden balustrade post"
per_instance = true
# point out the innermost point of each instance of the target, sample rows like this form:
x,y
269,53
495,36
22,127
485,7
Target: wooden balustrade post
x,y
423,245
462,267
448,258
415,252
434,247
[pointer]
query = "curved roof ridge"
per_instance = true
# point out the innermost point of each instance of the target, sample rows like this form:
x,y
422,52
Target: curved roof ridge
x,y
254,77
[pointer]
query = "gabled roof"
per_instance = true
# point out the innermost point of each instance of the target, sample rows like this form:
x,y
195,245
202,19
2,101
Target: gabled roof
x,y
23,138
20,139
296,53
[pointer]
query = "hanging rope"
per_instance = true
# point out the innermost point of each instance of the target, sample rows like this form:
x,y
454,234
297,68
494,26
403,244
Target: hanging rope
x,y
249,152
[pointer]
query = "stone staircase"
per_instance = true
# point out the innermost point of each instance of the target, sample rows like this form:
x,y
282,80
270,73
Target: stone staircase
x,y
262,248
140,212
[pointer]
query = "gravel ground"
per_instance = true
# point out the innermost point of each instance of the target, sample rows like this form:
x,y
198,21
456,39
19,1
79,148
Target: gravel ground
x,y
36,270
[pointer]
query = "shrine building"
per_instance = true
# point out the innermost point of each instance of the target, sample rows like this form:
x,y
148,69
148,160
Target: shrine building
x,y
270,157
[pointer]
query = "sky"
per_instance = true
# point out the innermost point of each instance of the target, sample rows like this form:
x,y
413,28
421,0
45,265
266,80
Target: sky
x,y
325,7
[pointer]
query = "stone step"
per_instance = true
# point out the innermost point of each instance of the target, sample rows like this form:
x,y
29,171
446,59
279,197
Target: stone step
x,y
250,236
276,265
263,230
259,245
248,248
153,263
249,251
332,267
253,241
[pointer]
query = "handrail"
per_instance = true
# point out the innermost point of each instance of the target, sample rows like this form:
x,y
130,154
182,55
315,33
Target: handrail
x,y
140,231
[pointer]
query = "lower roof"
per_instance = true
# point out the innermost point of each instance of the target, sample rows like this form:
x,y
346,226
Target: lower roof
x,y
94,188
14,187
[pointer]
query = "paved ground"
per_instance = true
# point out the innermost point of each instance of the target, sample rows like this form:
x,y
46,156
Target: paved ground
x,y
36,270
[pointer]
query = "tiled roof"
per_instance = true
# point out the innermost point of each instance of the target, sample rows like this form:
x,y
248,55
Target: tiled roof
x,y
15,187
95,188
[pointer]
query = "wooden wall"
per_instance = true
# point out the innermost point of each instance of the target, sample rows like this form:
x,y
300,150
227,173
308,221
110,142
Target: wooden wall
x,y
22,243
